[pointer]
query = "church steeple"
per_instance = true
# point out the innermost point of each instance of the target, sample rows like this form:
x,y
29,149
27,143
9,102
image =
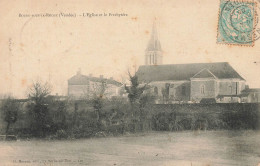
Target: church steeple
x,y
153,52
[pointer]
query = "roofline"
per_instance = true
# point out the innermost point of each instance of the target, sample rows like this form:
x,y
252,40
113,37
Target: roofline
x,y
195,63
225,79
208,71
183,64
100,80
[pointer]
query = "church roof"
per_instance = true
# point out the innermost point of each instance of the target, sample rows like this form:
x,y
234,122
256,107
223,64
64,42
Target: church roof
x,y
204,73
221,70
154,43
80,79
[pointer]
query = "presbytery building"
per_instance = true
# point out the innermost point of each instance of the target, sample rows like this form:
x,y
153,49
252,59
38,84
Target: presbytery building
x,y
85,87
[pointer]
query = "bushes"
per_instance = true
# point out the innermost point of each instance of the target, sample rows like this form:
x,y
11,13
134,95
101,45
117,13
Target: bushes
x,y
242,119
61,134
174,122
110,121
211,117
116,118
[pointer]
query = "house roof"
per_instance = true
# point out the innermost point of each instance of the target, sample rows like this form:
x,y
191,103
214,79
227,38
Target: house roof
x,y
246,92
222,70
80,79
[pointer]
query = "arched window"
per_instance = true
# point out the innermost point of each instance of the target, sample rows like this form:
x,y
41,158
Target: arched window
x,y
183,90
155,90
202,89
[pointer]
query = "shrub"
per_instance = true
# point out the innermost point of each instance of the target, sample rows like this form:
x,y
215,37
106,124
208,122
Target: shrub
x,y
61,134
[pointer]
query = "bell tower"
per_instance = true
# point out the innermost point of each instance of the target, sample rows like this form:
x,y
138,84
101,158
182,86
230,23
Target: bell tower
x,y
153,52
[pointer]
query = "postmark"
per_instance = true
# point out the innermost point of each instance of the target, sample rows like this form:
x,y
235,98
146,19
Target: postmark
x,y
237,23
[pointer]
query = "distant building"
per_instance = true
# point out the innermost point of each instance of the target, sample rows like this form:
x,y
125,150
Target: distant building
x,y
188,82
84,87
251,95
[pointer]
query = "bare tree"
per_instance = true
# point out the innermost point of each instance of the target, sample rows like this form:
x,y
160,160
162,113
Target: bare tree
x,y
39,91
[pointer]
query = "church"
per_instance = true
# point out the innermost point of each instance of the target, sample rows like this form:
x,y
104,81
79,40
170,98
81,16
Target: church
x,y
188,83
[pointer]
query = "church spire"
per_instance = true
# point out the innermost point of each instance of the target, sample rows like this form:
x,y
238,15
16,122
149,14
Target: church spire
x,y
154,43
153,52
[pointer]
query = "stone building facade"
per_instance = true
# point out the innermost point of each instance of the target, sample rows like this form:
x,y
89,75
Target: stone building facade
x,y
193,82
188,82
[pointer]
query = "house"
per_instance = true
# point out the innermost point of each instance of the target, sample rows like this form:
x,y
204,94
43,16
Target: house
x,y
188,82
84,87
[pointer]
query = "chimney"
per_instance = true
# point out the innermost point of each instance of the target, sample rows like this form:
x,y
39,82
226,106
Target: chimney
x,y
101,76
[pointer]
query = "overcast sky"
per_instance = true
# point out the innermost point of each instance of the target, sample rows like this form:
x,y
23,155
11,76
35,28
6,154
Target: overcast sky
x,y
54,48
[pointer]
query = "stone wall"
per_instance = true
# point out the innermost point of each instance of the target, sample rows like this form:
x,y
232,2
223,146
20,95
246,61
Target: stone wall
x,y
203,89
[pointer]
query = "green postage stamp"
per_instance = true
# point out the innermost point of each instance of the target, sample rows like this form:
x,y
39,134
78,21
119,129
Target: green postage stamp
x,y
236,23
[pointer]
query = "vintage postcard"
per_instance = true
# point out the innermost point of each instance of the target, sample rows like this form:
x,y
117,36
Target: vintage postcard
x,y
120,82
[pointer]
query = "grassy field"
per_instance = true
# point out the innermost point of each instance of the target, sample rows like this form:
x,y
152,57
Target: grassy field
x,y
156,148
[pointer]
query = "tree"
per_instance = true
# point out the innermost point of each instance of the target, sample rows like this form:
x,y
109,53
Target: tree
x,y
38,109
39,91
134,91
98,97
10,109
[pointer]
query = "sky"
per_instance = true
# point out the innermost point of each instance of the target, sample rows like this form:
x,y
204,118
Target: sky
x,y
54,48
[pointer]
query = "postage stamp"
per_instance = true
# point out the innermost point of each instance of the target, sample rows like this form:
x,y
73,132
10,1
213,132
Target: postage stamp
x,y
236,23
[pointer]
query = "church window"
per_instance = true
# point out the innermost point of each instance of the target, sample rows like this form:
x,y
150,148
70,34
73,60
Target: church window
x,y
167,86
155,90
183,90
202,89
